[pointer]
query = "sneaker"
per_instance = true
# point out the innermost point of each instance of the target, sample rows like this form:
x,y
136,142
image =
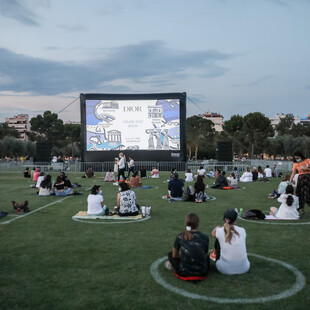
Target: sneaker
x,y
168,265
115,183
213,255
301,211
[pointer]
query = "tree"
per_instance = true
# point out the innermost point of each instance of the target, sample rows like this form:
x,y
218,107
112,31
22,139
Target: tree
x,y
233,130
285,125
48,128
257,128
6,130
73,135
298,130
198,129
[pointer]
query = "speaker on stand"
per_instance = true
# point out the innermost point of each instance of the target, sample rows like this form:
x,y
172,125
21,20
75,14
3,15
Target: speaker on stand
x,y
224,151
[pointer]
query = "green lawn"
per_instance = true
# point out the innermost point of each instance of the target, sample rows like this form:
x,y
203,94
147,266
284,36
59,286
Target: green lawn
x,y
49,261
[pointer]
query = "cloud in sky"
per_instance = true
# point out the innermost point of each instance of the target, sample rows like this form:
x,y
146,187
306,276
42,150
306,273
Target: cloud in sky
x,y
140,62
18,10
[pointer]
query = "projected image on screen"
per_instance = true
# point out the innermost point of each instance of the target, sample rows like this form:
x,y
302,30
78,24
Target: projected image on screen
x,y
132,125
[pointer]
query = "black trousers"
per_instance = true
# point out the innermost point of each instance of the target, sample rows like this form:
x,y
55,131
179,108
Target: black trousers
x,y
121,172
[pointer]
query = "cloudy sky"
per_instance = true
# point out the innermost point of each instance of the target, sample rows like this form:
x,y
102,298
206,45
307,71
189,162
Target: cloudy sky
x,y
230,56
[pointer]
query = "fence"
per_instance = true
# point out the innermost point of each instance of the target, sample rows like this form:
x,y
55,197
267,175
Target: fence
x,y
77,167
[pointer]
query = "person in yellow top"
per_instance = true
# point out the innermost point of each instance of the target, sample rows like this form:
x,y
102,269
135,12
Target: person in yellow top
x,y
302,167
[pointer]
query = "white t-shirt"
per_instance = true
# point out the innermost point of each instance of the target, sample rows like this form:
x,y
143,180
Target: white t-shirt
x,y
94,204
268,172
201,171
40,179
189,177
121,163
246,177
233,259
131,163
288,212
233,182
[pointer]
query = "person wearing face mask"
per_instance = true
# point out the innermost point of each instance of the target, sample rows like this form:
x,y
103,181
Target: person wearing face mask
x,y
95,202
302,167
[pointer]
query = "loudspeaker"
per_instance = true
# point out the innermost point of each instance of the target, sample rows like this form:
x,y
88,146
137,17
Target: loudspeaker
x,y
43,152
224,151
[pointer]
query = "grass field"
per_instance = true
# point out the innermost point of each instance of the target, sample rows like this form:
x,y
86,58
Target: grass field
x,y
49,261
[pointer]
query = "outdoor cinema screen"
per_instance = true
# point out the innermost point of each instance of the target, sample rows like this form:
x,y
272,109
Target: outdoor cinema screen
x,y
149,125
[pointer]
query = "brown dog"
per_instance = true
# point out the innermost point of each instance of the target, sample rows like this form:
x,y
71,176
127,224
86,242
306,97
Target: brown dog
x,y
21,205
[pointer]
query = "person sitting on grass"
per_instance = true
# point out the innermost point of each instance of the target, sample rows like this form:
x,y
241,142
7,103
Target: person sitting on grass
x,y
189,256
109,177
135,180
189,176
126,201
289,205
199,187
247,176
229,248
89,173
95,205
154,173
175,187
201,171
232,181
40,179
220,181
27,173
46,186
143,172
61,189
281,188
36,174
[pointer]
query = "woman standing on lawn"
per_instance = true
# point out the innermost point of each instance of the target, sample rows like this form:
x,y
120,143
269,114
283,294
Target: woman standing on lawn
x,y
189,256
302,167
229,247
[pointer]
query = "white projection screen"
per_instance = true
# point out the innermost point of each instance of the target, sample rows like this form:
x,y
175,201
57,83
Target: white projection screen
x,y
147,126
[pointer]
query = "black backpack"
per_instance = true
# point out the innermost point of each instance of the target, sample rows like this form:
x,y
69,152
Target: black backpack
x,y
253,214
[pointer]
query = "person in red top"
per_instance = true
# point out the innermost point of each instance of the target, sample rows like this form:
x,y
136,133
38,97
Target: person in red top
x,y
302,167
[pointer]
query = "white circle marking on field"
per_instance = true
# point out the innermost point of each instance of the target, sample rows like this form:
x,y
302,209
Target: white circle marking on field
x,y
110,221
272,222
298,285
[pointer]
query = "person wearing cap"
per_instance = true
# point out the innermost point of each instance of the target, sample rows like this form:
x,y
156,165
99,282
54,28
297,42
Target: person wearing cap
x,y
229,247
189,256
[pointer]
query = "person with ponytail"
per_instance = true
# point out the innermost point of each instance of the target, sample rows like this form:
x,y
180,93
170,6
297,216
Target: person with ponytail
x,y
229,247
189,256
289,205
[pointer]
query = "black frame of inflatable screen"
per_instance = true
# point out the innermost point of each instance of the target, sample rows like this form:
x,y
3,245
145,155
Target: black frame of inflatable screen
x,y
138,155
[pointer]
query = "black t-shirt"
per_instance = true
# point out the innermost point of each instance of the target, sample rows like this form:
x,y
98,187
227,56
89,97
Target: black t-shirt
x,y
176,188
193,254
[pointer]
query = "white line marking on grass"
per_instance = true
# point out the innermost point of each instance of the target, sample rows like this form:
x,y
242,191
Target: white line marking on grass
x,y
111,222
298,285
36,210
88,188
272,222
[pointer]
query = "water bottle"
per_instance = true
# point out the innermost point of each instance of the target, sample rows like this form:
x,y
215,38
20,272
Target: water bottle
x,y
241,212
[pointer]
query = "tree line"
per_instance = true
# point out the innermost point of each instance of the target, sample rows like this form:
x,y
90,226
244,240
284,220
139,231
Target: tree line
x,y
251,134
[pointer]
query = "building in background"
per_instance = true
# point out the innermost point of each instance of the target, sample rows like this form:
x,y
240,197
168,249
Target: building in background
x,y
21,123
216,119
276,120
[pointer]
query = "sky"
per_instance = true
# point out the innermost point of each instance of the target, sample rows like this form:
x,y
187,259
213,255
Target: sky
x,y
229,56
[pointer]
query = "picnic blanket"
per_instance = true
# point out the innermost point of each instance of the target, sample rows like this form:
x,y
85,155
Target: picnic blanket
x,y
83,215
272,217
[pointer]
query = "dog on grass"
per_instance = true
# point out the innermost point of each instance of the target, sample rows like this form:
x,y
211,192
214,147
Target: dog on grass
x,y
21,205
